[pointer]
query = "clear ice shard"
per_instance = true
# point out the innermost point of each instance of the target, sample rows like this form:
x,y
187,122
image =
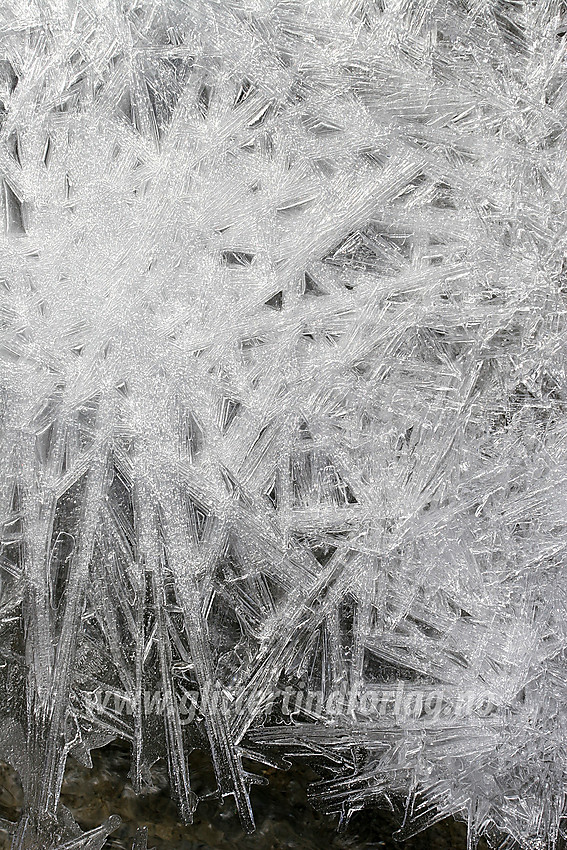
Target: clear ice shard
x,y
283,403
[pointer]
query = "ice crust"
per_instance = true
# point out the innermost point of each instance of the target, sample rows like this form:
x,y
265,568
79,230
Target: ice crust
x,y
283,403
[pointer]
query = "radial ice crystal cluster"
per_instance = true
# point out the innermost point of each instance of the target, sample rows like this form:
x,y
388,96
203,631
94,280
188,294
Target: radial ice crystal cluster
x,y
283,398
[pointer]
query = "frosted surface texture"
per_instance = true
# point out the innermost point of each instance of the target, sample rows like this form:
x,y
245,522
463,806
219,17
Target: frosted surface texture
x,y
282,402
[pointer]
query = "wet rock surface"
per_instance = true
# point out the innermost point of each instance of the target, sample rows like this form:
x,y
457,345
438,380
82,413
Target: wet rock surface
x,y
284,816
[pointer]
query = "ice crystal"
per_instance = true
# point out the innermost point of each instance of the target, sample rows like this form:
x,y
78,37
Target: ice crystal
x,y
283,436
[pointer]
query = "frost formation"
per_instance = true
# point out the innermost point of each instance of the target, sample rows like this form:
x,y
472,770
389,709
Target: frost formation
x,y
282,369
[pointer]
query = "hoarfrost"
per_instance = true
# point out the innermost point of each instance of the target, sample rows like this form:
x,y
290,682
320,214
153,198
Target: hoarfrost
x,y
282,372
